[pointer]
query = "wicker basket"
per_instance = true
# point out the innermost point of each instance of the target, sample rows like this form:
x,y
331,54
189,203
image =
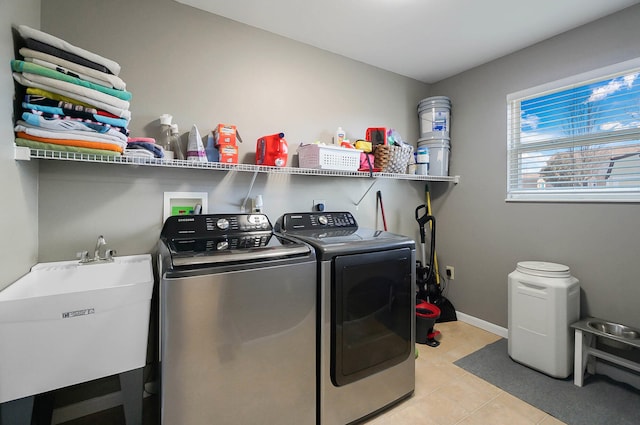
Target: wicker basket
x,y
392,159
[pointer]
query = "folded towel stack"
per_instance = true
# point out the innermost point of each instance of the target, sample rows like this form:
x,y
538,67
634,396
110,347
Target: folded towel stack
x,y
74,100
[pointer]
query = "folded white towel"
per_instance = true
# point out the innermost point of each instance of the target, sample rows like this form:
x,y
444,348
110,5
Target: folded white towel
x,y
138,153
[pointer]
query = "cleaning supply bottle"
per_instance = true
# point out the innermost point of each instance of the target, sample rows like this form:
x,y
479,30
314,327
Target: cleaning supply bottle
x,y
340,135
195,148
212,152
174,144
165,135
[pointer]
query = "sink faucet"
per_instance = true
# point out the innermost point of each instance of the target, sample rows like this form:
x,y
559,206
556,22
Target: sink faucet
x,y
99,244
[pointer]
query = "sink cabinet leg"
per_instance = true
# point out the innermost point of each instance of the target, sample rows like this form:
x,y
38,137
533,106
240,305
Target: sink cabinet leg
x,y
17,412
132,393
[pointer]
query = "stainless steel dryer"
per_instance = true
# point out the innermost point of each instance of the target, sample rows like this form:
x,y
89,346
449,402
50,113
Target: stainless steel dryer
x,y
237,323
366,281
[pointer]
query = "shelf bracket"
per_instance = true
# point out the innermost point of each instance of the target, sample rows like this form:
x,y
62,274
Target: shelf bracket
x,y
365,193
22,153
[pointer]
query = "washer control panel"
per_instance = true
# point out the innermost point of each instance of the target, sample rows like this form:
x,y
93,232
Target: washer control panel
x,y
217,232
220,243
209,225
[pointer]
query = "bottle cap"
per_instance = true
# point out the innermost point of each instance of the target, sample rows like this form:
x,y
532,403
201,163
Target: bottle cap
x,y
165,119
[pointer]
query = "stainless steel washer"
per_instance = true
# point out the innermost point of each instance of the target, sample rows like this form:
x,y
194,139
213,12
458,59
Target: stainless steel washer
x,y
237,323
366,281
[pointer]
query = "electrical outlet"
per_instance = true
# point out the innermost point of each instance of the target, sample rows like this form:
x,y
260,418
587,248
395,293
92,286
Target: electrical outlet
x,y
319,205
450,272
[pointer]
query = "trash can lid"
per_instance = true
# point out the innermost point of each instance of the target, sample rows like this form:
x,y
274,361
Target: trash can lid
x,y
541,268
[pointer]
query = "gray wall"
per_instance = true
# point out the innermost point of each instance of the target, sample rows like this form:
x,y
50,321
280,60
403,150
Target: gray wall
x,y
19,220
172,59
483,236
204,70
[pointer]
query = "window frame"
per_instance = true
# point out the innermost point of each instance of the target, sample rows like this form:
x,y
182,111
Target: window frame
x,y
515,149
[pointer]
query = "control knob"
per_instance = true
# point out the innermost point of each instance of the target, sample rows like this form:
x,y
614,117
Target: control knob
x,y
323,220
222,223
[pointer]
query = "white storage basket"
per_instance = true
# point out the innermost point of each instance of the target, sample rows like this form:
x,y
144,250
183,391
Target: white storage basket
x,y
328,157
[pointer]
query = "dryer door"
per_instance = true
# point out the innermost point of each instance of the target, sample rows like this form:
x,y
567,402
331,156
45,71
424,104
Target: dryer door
x,y
372,310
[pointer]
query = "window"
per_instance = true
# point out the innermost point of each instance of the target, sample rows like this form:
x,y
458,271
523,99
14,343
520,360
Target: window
x,y
577,139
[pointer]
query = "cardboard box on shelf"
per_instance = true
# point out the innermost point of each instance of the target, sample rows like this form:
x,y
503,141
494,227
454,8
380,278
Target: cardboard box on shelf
x,y
228,154
226,135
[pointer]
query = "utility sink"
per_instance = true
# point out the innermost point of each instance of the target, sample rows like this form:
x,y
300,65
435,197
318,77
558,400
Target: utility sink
x,y
64,323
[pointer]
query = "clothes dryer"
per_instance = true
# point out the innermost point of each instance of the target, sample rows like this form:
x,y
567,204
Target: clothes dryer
x,y
366,307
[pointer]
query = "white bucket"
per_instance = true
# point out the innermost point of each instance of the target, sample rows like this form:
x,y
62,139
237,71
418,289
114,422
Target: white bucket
x,y
438,155
435,116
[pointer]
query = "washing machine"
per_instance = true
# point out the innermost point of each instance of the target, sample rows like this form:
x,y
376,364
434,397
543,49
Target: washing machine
x,y
366,308
237,322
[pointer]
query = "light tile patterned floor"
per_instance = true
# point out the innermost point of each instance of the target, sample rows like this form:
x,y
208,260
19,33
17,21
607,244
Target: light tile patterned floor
x,y
446,394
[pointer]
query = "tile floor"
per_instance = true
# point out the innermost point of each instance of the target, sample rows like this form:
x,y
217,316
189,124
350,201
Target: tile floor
x,y
446,394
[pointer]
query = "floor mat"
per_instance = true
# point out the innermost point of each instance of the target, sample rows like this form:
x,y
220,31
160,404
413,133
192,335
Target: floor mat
x,y
600,401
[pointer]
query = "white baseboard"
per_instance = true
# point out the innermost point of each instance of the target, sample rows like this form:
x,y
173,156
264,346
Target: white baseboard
x,y
483,324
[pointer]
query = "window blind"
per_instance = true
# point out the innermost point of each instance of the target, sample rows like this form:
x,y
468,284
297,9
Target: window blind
x,y
576,139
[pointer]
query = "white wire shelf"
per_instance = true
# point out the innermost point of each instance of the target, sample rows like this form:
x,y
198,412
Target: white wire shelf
x,y
26,154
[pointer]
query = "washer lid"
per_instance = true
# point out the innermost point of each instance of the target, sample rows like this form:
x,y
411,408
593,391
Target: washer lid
x,y
541,268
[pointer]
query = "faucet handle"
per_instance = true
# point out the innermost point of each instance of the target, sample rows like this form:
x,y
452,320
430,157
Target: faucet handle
x,y
83,256
109,254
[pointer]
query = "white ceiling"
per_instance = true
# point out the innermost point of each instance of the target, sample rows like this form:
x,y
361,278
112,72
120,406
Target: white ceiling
x,y
427,40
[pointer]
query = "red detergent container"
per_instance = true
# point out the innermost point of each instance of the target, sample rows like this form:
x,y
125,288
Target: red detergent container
x,y
272,150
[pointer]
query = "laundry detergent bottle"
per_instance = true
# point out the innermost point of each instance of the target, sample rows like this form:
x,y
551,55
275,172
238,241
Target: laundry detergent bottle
x,y
272,150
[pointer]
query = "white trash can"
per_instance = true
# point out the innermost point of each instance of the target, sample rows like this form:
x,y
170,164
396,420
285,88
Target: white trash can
x,y
544,300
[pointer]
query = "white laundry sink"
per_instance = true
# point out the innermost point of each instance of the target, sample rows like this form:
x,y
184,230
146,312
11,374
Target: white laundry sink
x,y
64,323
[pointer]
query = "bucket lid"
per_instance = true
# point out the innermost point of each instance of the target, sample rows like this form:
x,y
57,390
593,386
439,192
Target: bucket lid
x,y
430,102
436,136
436,99
439,143
541,268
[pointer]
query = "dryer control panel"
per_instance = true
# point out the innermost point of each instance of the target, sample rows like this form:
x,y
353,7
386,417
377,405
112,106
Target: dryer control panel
x,y
317,221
